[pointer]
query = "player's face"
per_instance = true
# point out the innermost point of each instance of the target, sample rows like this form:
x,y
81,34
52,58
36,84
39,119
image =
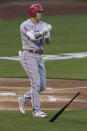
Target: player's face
x,y
38,15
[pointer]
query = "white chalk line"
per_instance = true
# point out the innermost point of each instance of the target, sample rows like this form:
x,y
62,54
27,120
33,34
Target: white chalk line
x,y
54,99
7,94
50,88
60,89
1,100
52,57
50,98
47,89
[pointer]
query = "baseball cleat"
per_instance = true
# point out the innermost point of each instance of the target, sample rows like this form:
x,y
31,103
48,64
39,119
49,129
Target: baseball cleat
x,y
40,114
21,105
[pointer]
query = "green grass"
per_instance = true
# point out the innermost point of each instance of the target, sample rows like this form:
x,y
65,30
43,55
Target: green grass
x,y
10,40
69,69
11,69
69,35
69,121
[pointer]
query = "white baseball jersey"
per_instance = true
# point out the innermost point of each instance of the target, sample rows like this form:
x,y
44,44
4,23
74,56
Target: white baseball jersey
x,y
27,43
33,63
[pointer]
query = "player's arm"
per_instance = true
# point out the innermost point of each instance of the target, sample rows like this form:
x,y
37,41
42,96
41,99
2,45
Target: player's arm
x,y
33,36
47,38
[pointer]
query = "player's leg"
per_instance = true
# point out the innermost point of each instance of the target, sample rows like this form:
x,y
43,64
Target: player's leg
x,y
27,96
31,67
42,72
36,90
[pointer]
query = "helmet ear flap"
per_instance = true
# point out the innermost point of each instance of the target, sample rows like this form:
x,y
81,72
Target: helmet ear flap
x,y
32,13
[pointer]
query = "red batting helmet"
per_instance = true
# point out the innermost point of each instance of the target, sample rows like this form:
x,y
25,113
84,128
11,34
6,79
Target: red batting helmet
x,y
35,8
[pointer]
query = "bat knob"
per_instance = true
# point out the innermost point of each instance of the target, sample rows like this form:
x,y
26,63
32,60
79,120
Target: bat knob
x,y
79,93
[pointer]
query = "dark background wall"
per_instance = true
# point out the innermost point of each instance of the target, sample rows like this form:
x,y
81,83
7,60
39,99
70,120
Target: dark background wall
x,y
6,1
52,7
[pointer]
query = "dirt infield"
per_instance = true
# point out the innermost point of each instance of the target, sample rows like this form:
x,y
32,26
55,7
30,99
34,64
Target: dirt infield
x,y
20,10
56,95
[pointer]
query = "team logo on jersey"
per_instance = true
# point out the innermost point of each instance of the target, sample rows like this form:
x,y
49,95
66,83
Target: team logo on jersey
x,y
25,28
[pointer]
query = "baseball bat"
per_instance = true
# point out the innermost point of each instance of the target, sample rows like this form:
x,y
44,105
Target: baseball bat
x,y
62,109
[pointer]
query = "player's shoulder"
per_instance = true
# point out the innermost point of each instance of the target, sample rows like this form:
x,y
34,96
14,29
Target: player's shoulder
x,y
25,23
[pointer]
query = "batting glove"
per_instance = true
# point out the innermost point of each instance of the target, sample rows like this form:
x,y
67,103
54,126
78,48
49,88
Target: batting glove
x,y
46,28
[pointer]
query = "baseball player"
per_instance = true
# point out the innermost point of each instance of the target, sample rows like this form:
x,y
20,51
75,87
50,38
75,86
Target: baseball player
x,y
34,33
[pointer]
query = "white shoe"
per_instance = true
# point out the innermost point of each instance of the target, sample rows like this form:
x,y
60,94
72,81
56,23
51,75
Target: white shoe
x,y
21,105
40,114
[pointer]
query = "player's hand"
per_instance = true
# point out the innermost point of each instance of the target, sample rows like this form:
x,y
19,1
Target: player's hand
x,y
49,27
20,53
46,28
47,35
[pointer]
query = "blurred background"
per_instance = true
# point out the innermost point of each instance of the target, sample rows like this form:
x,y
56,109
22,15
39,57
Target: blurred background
x,y
19,8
